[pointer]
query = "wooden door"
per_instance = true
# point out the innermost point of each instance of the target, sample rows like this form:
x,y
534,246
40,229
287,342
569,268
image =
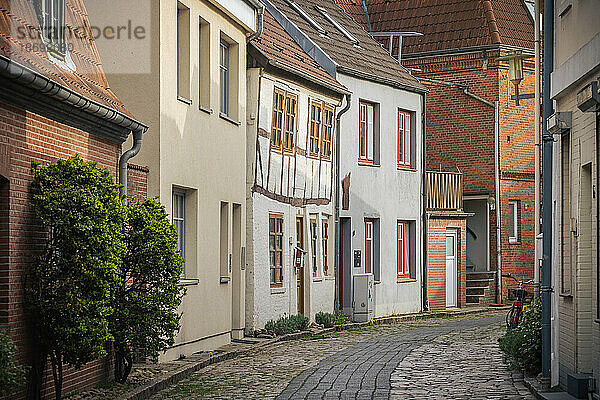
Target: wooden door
x,y
300,272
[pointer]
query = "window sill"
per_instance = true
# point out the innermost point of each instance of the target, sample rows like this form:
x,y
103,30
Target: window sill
x,y
277,290
405,280
408,169
329,278
184,100
188,282
317,278
206,110
597,320
229,119
225,279
566,295
514,241
367,164
376,282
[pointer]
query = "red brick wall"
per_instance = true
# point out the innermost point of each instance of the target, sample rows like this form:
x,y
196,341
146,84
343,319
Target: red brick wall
x,y
28,137
137,182
436,260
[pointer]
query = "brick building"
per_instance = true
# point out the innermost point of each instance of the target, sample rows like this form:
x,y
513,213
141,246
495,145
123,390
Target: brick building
x,y
54,103
457,58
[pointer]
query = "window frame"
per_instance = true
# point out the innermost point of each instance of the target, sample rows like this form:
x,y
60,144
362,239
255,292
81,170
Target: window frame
x,y
314,129
407,138
327,128
53,27
290,122
369,241
277,118
179,222
275,251
314,240
403,269
369,136
513,231
224,78
325,244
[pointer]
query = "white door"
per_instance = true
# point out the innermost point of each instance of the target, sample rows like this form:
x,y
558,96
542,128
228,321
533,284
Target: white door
x,y
451,270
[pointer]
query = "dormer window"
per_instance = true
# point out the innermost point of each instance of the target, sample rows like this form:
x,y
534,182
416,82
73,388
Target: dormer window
x,y
336,24
51,14
307,17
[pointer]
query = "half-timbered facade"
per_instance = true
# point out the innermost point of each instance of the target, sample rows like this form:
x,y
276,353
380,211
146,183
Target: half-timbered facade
x,y
292,103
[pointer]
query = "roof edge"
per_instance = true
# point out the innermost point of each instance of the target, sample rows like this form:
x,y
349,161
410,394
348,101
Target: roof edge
x,y
462,50
383,81
488,11
24,76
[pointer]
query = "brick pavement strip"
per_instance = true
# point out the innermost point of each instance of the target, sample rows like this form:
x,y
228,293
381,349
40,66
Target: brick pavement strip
x,y
434,358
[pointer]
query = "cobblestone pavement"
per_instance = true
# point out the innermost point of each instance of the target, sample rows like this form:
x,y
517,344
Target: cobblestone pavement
x,y
419,359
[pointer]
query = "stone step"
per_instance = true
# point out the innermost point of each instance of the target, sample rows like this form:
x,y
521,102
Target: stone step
x,y
473,299
475,291
478,283
481,275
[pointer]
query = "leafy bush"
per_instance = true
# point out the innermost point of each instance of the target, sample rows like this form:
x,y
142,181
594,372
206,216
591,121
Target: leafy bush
x,y
78,206
522,346
11,374
342,318
285,325
328,320
145,314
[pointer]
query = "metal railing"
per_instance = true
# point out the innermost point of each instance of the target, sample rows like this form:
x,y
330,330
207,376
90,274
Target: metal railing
x,y
444,191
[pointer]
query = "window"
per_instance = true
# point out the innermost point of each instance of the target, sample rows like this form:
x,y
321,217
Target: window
x,y
513,226
276,125
315,129
52,26
224,76
366,132
369,246
290,122
566,270
276,249
313,245
224,253
204,64
403,249
325,244
327,132
179,222
183,52
404,139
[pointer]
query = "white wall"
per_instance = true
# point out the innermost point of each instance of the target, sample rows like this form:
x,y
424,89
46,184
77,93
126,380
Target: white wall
x,y
384,192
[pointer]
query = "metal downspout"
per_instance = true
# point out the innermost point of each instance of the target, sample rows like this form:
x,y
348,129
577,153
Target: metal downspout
x,y
424,205
336,181
547,190
536,213
125,157
498,213
259,24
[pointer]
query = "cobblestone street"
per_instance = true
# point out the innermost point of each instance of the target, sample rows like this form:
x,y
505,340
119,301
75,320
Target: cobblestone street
x,y
427,359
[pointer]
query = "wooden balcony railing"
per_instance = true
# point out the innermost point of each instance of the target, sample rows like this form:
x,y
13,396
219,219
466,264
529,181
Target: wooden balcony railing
x,y
444,191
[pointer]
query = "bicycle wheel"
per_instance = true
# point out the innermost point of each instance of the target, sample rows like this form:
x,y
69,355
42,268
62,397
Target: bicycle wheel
x,y
510,317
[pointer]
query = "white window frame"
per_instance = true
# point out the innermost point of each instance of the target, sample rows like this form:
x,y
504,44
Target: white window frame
x,y
179,221
224,68
369,243
513,234
53,26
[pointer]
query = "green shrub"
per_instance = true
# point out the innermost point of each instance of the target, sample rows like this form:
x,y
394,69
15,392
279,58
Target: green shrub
x,y
522,346
328,320
11,374
342,318
299,322
285,325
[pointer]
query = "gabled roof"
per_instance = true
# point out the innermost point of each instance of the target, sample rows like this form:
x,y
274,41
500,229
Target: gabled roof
x,y
447,24
367,60
87,79
280,50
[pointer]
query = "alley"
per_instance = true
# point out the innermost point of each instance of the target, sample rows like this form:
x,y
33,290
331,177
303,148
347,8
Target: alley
x,y
427,359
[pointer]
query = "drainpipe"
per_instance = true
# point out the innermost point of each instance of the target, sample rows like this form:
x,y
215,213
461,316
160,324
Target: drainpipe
x,y
125,157
337,182
424,206
536,213
259,23
498,213
547,190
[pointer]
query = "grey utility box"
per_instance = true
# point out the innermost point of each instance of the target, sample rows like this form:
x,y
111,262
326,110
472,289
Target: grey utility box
x,y
363,301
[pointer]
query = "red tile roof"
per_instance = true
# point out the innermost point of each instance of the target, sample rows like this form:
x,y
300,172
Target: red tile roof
x,y
447,24
276,44
88,78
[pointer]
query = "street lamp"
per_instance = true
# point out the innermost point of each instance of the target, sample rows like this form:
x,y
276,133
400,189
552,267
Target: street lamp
x,y
515,73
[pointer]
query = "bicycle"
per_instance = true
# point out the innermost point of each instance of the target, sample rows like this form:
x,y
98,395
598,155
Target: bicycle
x,y
522,301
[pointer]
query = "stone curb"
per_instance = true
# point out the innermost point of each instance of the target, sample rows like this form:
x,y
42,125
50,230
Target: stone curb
x,y
167,379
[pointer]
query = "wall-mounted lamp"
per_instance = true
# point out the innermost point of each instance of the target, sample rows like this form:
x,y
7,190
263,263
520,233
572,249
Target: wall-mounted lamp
x,y
515,72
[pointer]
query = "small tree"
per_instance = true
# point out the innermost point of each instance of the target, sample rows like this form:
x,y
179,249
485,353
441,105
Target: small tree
x,y
11,373
75,275
145,315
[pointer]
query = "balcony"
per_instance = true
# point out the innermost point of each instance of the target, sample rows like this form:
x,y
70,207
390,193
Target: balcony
x,y
444,191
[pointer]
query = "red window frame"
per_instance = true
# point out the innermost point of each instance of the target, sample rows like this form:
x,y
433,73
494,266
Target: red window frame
x,y
325,244
369,244
364,110
403,249
404,139
276,249
313,246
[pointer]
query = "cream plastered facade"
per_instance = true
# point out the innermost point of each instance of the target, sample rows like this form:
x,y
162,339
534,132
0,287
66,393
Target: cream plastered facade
x,y
192,148
292,186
